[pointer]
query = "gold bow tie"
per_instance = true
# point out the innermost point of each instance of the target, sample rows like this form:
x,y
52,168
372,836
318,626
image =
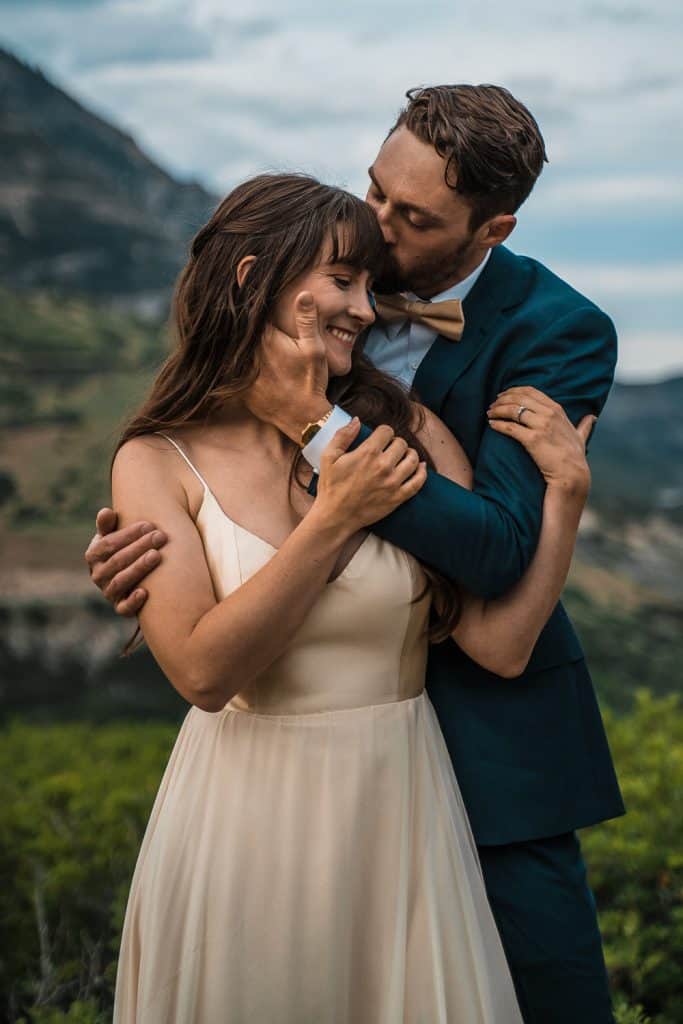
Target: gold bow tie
x,y
445,318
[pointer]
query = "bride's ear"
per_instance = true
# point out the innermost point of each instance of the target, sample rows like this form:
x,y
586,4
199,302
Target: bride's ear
x,y
243,268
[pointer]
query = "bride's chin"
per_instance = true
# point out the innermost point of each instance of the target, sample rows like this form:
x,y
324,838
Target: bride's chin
x,y
335,368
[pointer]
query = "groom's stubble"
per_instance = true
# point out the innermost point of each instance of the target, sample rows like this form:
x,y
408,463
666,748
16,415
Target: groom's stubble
x,y
433,273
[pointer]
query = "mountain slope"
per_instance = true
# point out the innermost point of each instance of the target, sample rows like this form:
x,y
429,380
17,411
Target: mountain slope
x,y
637,455
82,209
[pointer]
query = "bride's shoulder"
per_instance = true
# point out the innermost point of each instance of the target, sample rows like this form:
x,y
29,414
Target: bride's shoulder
x,y
144,461
143,449
148,478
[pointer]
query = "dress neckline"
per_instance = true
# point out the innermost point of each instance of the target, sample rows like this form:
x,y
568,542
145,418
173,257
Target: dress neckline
x,y
209,496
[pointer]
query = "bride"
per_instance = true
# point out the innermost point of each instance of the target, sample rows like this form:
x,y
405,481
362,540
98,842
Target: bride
x,y
308,858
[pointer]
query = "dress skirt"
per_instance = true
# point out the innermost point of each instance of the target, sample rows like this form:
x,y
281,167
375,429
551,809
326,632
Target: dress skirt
x,y
311,869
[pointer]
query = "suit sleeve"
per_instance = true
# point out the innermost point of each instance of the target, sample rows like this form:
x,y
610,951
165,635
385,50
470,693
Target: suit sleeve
x,y
484,539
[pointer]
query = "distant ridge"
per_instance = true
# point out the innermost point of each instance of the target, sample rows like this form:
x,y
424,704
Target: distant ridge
x,y
82,208
637,454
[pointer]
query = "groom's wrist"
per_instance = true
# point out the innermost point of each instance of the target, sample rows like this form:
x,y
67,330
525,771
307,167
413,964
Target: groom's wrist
x,y
313,451
292,422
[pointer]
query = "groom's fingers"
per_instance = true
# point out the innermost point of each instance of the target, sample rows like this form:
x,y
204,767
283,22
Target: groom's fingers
x,y
275,340
306,318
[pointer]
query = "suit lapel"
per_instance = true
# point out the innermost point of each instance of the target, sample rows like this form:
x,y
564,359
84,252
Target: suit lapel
x,y
500,286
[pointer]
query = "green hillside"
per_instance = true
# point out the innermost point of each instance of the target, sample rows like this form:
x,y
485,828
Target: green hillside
x,y
70,370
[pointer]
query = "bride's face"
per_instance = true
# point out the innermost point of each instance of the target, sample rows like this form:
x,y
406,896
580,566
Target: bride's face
x,y
342,297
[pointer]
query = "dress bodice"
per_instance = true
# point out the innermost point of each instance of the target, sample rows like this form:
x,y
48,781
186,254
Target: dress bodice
x,y
363,642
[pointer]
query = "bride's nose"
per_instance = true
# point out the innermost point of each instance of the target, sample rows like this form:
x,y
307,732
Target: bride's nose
x,y
361,307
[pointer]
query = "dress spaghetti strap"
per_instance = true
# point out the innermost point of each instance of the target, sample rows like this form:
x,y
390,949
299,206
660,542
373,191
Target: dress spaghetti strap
x,y
187,460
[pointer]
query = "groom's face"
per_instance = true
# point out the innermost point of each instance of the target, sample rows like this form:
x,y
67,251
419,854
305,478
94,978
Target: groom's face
x,y
425,223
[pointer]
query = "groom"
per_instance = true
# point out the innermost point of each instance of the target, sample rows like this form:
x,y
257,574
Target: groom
x,y
530,754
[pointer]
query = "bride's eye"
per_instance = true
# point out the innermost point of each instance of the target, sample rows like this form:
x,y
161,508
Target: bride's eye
x,y
342,282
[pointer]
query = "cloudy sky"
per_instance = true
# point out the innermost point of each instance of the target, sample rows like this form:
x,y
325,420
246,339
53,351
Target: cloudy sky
x,y
217,93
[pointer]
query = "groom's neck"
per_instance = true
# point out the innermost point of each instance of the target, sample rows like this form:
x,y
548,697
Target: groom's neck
x,y
460,273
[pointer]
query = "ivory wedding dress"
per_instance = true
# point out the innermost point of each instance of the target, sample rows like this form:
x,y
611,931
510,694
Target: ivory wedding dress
x,y
308,859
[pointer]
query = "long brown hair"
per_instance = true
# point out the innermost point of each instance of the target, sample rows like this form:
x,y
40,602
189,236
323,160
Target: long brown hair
x,y
285,221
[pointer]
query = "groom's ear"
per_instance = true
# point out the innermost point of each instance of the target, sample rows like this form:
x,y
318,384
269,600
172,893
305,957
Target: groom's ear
x,y
243,268
496,230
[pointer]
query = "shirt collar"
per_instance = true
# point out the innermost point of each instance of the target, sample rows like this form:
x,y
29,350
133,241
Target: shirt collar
x,y
457,291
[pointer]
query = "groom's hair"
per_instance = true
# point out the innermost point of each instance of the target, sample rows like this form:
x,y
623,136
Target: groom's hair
x,y
492,145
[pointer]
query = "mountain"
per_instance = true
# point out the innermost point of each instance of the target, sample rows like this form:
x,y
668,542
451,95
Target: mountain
x,y
82,209
637,454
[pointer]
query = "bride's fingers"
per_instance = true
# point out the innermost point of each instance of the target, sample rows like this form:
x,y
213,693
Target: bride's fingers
x,y
523,392
510,411
585,428
515,430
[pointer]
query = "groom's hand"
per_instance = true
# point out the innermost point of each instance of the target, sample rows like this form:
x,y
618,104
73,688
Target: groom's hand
x,y
119,559
290,390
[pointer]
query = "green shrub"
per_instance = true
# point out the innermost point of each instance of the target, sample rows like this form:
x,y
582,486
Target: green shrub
x,y
74,801
636,862
78,1013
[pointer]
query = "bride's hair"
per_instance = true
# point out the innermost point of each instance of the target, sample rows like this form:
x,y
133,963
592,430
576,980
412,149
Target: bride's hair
x,y
285,221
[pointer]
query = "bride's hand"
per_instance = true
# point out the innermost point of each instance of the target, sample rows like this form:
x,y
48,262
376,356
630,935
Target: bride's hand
x,y
556,446
357,488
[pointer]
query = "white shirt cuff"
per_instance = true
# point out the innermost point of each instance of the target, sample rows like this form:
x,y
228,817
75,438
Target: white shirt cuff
x,y
313,451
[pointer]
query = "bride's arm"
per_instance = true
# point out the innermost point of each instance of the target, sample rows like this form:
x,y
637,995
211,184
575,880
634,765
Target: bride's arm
x,y
208,648
500,634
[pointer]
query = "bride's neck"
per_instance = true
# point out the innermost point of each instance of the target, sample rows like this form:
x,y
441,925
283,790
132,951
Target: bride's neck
x,y
236,426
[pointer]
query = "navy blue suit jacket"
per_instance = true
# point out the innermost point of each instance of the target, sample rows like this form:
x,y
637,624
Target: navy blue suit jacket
x,y
530,753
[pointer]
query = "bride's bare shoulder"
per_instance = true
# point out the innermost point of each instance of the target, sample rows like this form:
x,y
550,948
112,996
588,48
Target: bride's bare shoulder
x,y
143,451
150,463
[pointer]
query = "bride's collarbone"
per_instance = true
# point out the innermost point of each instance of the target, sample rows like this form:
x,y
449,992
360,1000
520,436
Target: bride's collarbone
x,y
256,494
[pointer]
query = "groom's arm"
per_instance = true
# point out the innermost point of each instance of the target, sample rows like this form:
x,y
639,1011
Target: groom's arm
x,y
485,538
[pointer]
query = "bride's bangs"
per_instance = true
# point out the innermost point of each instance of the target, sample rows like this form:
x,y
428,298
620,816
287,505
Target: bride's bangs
x,y
357,238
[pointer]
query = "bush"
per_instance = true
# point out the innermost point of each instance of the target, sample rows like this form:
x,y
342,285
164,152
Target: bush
x,y
74,801
78,1013
636,862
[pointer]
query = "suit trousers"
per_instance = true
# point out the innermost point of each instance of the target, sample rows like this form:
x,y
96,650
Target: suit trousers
x,y
548,924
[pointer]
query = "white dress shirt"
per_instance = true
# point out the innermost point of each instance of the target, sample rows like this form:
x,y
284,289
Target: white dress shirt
x,y
397,349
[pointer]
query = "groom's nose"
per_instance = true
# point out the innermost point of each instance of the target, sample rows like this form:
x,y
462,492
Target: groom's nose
x,y
385,219
387,230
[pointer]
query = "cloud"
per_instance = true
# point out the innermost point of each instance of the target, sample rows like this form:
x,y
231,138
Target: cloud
x,y
65,5
649,355
617,280
604,192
